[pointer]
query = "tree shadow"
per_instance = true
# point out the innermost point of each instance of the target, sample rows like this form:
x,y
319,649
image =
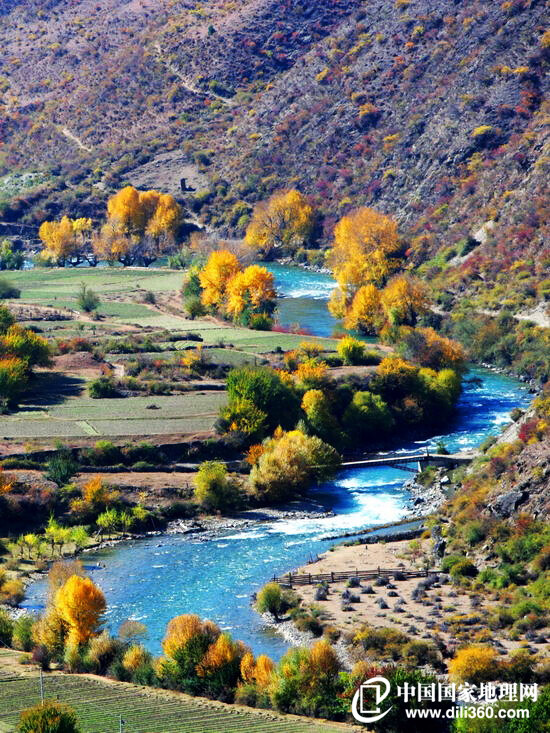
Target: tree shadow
x,y
50,388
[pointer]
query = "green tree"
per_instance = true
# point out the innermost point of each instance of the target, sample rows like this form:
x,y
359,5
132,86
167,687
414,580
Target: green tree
x,y
367,416
9,258
22,633
264,388
108,521
270,600
214,488
6,628
6,319
48,717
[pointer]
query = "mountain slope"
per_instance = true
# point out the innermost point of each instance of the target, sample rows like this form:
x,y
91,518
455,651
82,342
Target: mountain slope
x,y
431,110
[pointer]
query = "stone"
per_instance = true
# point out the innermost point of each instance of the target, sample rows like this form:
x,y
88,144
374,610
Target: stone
x,y
507,504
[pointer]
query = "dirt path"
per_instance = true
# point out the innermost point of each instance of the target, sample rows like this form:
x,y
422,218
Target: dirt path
x,y
188,83
73,138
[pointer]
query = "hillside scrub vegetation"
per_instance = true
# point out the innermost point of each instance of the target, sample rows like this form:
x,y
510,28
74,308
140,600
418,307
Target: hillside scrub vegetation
x,y
20,350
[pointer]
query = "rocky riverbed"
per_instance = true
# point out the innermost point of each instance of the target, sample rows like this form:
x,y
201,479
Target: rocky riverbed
x,y
208,527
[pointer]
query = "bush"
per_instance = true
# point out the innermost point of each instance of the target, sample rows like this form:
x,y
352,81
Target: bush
x,y
270,599
86,299
48,717
260,322
463,569
12,592
61,467
351,351
102,651
102,387
22,633
474,664
104,453
7,290
448,562
289,463
6,628
214,489
194,308
143,452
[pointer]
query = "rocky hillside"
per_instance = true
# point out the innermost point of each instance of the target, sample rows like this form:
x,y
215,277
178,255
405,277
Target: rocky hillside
x,y
431,110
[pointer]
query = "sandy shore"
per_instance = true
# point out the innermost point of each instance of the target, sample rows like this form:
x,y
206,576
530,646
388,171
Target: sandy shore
x,y
420,619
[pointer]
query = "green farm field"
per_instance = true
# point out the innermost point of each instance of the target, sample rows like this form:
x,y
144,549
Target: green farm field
x,y
59,408
118,288
80,417
100,704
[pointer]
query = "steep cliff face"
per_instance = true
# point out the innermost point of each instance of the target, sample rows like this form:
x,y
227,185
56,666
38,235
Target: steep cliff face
x,y
433,111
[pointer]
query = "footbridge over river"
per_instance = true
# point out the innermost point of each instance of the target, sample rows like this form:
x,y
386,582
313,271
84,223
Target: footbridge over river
x,y
420,460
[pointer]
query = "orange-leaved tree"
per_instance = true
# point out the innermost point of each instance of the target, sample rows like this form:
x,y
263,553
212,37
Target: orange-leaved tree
x,y
214,277
141,226
81,604
66,242
251,291
286,221
365,253
404,299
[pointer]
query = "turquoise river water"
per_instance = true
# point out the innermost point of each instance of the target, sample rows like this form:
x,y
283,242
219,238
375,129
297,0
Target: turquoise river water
x,y
155,579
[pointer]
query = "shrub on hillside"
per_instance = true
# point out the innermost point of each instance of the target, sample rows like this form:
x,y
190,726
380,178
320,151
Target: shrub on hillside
x,y
61,467
86,299
474,664
103,387
48,717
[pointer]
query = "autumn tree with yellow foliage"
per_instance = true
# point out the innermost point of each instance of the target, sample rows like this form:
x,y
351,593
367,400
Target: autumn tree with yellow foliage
x,y
141,226
80,604
20,350
214,278
366,253
244,295
201,659
67,242
284,222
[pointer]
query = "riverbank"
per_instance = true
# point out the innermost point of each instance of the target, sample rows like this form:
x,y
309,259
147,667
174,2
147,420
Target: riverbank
x,y
443,609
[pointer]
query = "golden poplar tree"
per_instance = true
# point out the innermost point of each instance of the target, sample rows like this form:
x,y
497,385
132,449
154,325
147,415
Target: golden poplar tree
x,y
404,299
81,604
285,220
140,227
252,288
66,241
214,277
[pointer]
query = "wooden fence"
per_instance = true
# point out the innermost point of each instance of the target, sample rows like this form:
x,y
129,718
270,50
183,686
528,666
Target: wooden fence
x,y
336,577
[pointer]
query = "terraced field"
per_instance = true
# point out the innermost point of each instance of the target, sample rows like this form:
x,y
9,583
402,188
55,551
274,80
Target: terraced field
x,y
100,704
60,409
80,416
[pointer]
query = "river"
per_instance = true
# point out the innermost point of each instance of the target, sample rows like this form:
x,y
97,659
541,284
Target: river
x,y
155,579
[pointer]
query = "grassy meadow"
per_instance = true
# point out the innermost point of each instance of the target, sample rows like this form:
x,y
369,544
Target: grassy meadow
x,y
59,406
